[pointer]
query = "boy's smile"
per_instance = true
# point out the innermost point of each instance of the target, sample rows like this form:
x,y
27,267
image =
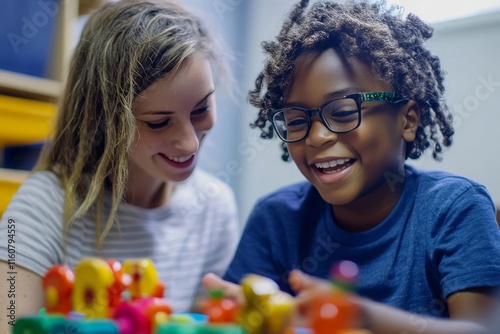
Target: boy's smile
x,y
332,169
349,169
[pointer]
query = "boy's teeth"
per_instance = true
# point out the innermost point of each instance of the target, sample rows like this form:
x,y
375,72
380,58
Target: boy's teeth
x,y
332,163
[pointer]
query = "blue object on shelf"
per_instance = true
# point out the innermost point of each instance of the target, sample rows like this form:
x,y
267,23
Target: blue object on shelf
x,y
28,28
21,157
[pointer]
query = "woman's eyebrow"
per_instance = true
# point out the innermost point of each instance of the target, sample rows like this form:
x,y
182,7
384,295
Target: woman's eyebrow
x,y
168,112
206,97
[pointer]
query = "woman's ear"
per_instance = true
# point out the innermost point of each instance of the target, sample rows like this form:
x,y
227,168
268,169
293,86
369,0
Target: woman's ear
x,y
411,119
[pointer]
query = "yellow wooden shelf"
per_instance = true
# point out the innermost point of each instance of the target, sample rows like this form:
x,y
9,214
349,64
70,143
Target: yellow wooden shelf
x,y
27,103
29,86
10,180
25,121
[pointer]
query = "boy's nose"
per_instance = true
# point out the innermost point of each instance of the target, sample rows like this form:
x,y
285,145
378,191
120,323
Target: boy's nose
x,y
319,134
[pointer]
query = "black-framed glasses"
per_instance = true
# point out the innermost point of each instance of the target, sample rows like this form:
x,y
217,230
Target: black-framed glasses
x,y
339,115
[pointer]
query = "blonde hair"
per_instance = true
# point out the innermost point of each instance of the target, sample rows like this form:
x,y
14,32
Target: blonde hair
x,y
125,47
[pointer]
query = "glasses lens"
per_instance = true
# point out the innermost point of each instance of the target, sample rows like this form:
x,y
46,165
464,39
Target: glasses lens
x,y
291,124
341,115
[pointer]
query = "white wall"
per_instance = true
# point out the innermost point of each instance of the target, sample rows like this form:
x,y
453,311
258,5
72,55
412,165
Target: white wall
x,y
264,170
470,52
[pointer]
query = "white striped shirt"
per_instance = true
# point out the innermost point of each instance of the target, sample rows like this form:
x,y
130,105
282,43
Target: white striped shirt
x,y
197,233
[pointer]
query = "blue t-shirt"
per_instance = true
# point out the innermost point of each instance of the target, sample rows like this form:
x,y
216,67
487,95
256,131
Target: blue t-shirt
x,y
441,238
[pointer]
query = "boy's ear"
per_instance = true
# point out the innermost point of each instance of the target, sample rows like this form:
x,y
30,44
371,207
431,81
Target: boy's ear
x,y
411,119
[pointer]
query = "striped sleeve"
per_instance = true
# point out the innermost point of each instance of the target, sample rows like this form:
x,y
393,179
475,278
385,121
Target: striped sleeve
x,y
225,232
32,224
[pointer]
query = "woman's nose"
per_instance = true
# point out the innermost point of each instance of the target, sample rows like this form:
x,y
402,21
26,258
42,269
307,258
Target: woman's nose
x,y
185,138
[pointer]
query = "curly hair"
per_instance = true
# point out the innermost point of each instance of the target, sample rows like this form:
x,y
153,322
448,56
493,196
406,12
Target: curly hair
x,y
391,45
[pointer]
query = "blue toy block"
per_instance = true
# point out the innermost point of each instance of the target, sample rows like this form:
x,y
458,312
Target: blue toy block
x,y
37,324
97,326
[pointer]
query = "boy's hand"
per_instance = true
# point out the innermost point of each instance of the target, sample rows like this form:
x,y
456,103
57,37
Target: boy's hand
x,y
211,281
300,281
307,288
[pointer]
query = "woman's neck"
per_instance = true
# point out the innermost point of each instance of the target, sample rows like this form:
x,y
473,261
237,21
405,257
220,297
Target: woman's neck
x,y
147,192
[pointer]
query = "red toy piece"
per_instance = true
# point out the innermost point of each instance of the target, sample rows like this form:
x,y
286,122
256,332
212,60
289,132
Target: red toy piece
x,y
58,284
336,313
120,284
219,308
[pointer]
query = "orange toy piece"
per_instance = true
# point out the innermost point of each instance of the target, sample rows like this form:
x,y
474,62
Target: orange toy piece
x,y
219,308
93,280
144,278
120,284
58,286
336,313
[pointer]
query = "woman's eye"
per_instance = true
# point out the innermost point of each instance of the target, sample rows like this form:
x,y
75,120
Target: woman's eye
x,y
158,125
199,112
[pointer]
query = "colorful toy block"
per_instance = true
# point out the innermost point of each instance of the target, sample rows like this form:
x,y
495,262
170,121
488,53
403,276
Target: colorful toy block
x,y
108,297
58,286
268,310
219,308
336,313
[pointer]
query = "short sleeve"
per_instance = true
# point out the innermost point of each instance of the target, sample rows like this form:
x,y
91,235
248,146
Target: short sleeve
x,y
467,251
30,228
255,252
225,231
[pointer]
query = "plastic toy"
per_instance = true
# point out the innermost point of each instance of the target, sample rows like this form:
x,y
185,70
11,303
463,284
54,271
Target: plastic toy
x,y
120,284
37,324
268,310
58,286
190,328
141,316
108,297
335,313
219,308
145,282
91,293
101,326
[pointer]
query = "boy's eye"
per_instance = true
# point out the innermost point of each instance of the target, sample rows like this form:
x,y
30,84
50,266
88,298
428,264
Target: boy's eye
x,y
158,125
344,114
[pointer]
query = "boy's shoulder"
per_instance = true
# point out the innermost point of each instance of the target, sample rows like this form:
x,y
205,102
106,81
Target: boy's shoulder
x,y
441,188
436,180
